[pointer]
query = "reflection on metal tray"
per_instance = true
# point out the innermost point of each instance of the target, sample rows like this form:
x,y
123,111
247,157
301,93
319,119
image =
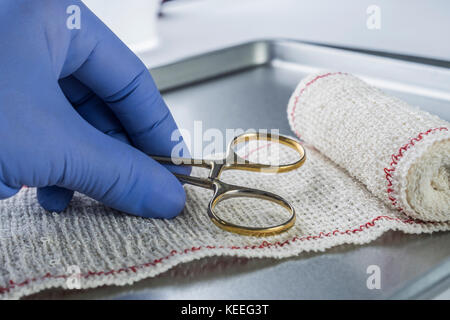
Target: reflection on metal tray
x,y
248,86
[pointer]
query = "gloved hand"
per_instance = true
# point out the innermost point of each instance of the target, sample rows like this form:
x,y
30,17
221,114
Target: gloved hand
x,y
77,112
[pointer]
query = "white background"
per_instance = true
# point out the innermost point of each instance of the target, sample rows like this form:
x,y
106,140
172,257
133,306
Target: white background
x,y
188,27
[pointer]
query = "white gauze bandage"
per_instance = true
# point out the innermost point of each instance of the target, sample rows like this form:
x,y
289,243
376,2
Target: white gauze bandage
x,y
402,155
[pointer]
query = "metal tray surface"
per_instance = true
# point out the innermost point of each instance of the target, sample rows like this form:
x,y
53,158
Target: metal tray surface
x,y
248,86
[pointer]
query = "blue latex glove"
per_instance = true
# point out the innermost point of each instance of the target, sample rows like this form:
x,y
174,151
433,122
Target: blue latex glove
x,y
77,112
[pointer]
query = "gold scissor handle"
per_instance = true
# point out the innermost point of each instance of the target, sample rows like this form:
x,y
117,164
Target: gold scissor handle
x,y
239,163
223,191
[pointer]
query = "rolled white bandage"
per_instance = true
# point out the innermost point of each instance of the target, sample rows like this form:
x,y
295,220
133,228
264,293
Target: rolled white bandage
x,y
401,154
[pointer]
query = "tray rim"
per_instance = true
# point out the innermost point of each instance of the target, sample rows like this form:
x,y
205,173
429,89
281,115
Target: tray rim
x,y
378,53
261,52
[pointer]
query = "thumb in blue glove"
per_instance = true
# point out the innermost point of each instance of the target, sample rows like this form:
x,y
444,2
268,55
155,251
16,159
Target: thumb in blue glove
x,y
78,112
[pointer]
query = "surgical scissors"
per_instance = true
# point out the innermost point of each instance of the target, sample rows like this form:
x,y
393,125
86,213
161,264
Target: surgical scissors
x,y
223,191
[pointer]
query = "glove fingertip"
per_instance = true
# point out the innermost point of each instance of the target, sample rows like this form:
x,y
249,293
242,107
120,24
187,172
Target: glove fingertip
x,y
170,202
6,191
54,199
177,205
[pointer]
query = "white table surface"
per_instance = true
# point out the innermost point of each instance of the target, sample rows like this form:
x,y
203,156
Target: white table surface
x,y
413,27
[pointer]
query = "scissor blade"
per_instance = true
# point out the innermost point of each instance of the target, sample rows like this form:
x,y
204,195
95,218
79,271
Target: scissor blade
x,y
174,161
183,161
195,181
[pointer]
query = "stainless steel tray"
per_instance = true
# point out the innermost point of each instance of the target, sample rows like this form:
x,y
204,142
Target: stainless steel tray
x,y
248,86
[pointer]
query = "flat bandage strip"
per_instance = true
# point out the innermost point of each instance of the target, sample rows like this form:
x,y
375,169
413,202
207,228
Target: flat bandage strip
x,y
402,155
